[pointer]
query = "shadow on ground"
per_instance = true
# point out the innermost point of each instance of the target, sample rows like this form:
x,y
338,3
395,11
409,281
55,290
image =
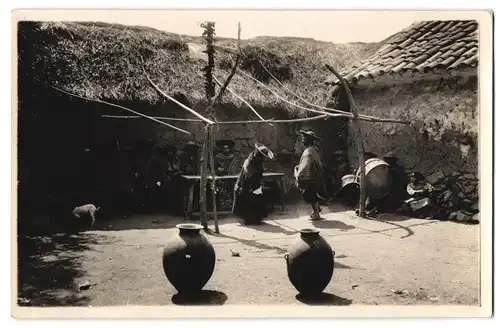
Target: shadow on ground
x,y
49,268
338,265
251,243
266,227
323,299
133,221
332,224
409,232
205,297
391,217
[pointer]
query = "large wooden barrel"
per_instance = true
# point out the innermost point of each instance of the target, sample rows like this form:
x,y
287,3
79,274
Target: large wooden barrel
x,y
378,178
349,179
349,190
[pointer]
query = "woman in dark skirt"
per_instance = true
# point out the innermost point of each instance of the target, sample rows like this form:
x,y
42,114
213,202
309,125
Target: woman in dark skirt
x,y
249,203
225,164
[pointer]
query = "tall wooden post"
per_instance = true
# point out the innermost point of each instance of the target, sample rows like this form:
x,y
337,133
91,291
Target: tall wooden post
x,y
359,141
203,180
208,153
208,35
208,146
214,187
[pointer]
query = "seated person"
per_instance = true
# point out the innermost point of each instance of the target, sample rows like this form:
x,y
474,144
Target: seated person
x,y
190,165
189,160
225,159
420,204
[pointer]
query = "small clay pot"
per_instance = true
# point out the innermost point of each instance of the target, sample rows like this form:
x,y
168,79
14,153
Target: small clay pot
x,y
310,262
188,259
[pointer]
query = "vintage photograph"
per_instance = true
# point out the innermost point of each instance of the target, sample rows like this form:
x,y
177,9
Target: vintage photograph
x,y
218,158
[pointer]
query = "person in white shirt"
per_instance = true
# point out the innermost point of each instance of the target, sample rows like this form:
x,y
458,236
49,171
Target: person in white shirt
x,y
309,175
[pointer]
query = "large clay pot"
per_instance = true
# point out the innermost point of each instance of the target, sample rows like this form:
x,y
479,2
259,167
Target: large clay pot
x,y
310,262
188,259
378,178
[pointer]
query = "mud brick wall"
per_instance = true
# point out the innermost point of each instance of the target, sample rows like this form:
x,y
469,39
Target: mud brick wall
x,y
441,113
280,138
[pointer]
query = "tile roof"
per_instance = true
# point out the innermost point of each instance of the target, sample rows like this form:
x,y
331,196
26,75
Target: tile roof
x,y
421,47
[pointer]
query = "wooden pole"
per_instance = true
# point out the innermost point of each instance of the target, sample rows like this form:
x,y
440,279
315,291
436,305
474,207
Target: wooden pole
x,y
359,141
208,145
125,108
241,99
324,110
214,181
208,35
305,119
203,180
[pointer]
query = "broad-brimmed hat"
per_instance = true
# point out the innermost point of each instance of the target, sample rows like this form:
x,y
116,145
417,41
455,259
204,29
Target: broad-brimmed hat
x,y
222,143
264,150
417,175
191,145
369,154
310,133
391,155
170,149
466,140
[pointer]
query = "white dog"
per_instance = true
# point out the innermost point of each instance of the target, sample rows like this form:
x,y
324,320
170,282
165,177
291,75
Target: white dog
x,y
88,210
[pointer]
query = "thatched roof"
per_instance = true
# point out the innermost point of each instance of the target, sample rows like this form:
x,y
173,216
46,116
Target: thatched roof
x,y
422,47
103,61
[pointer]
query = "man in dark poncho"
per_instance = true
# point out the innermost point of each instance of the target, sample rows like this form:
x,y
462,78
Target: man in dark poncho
x,y
309,174
249,201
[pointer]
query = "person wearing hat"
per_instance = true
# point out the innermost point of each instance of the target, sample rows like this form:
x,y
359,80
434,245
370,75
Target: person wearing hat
x,y
189,159
420,191
309,174
369,155
248,201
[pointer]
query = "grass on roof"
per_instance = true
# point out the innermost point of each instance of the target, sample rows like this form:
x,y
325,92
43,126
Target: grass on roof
x,y
105,61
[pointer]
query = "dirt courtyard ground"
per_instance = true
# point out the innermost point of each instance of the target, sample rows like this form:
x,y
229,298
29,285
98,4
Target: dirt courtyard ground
x,y
388,260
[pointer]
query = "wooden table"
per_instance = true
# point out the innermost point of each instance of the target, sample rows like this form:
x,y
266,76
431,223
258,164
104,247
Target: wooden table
x,y
192,179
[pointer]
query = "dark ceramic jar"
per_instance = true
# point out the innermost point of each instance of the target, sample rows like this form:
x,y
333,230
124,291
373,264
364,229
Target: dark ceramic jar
x,y
310,262
188,259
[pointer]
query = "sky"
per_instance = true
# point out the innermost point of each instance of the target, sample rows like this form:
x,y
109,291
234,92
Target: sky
x,y
334,26
326,25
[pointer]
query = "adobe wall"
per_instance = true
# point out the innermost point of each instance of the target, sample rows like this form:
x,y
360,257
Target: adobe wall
x,y
280,138
54,149
244,135
441,113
